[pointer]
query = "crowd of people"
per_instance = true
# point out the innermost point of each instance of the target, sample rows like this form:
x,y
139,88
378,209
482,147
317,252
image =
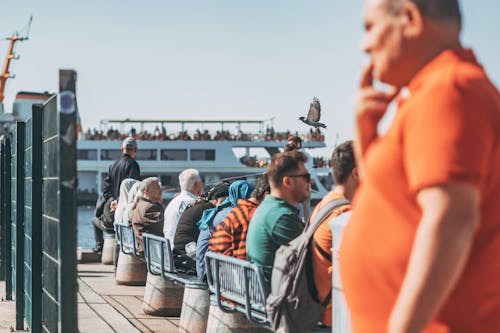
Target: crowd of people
x,y
419,203
314,135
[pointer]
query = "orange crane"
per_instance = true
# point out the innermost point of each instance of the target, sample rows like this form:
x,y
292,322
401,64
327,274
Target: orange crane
x,y
5,75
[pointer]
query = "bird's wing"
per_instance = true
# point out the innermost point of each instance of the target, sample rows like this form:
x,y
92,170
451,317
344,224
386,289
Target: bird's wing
x,y
314,110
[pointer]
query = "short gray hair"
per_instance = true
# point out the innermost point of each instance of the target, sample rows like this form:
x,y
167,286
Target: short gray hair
x,y
188,178
129,144
434,9
147,184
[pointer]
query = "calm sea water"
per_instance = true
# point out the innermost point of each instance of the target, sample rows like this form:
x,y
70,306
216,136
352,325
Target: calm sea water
x,y
85,231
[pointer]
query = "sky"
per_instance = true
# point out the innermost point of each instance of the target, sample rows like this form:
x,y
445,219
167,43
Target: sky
x,y
216,59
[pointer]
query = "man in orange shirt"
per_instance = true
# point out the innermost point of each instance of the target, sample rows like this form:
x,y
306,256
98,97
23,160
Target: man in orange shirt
x,y
421,250
345,176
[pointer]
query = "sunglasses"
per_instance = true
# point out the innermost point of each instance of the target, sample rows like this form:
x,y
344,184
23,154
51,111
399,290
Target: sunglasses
x,y
306,176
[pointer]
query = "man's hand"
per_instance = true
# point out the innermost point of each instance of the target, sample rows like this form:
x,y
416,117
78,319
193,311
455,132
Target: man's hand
x,y
113,205
371,106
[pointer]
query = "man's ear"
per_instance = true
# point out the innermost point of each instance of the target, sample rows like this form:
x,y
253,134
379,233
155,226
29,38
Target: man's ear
x,y
285,182
355,174
412,20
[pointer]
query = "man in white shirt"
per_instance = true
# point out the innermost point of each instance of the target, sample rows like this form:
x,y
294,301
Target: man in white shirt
x,y
191,187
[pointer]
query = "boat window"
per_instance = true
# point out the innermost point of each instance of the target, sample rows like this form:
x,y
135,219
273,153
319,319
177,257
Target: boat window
x,y
174,154
170,183
202,155
110,154
146,155
87,154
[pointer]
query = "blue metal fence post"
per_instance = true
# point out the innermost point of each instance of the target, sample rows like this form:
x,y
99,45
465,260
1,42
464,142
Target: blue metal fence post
x,y
6,216
32,223
68,189
36,205
17,167
2,220
51,242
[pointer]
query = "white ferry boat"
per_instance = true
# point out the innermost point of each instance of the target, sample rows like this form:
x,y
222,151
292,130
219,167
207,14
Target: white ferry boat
x,y
243,155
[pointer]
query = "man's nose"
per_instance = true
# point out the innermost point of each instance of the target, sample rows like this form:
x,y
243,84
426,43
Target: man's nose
x,y
366,43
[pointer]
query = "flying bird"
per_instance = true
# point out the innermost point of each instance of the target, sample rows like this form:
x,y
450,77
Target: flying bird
x,y
313,115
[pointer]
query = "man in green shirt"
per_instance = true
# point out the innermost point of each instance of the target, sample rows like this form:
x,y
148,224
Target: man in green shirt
x,y
276,221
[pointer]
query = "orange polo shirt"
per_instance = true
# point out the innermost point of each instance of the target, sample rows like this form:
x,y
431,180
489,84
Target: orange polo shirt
x,y
447,130
321,254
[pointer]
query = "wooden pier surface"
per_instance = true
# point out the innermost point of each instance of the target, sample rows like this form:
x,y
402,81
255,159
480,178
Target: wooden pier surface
x,y
103,306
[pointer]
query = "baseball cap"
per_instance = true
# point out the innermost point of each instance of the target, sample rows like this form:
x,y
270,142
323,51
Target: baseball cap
x,y
218,191
129,143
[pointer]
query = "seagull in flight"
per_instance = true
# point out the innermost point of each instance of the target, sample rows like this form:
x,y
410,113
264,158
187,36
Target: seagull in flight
x,y
313,115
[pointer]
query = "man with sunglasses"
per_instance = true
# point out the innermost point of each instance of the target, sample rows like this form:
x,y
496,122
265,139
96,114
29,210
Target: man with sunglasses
x,y
276,221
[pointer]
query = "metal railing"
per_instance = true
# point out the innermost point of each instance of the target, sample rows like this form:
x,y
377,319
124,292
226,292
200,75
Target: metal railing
x,y
238,285
38,202
160,261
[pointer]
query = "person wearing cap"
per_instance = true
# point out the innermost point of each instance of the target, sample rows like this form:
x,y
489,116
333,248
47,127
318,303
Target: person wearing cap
x,y
187,231
125,167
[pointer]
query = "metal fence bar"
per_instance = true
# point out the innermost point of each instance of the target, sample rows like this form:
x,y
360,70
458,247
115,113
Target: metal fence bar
x,y
17,173
6,215
33,211
50,219
68,212
3,243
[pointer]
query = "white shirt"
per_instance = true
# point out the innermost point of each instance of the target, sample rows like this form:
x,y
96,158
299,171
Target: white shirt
x,y
173,213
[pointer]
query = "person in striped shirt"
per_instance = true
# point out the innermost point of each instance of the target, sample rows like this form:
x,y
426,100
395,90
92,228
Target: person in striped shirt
x,y
229,238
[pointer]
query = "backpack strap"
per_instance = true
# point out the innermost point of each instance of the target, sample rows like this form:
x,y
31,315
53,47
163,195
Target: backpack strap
x,y
324,212
319,218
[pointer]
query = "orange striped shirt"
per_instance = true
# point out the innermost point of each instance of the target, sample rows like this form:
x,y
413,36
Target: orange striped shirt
x,y
229,238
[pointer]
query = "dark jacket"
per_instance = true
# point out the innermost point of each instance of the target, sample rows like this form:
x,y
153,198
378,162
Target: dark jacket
x,y
147,217
103,212
187,230
125,167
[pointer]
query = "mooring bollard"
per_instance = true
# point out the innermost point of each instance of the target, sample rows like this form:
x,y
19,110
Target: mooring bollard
x,y
236,322
108,249
162,297
131,270
194,314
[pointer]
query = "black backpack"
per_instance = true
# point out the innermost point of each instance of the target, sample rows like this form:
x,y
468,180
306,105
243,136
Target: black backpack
x,y
292,305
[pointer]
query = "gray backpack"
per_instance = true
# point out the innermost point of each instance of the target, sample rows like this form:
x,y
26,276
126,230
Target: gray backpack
x,y
292,306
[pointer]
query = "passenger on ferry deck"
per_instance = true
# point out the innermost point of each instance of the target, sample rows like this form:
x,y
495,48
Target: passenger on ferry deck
x,y
230,237
147,214
125,167
276,220
345,176
427,211
191,187
211,218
